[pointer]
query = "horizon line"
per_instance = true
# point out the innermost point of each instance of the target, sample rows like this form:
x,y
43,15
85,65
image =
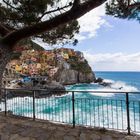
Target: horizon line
x,y
112,71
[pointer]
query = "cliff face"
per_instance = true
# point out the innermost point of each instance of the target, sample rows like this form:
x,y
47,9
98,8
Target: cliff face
x,y
75,70
79,72
70,76
87,77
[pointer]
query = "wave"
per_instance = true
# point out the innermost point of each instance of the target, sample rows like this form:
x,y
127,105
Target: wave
x,y
122,86
114,86
108,81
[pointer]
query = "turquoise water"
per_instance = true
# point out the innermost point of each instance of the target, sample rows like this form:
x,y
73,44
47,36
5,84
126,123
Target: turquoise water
x,y
92,109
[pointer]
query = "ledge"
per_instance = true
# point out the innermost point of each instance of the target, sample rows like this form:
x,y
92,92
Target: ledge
x,y
21,128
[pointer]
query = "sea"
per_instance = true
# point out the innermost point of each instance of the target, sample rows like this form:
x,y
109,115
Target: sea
x,y
106,110
120,81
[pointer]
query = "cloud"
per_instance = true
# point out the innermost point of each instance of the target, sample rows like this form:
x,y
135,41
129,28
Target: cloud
x,y
91,22
114,61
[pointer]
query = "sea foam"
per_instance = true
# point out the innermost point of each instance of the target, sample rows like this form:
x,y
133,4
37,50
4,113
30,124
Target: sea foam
x,y
115,86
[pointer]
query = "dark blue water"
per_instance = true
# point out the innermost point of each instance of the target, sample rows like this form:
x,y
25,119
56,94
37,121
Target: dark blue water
x,y
121,81
130,78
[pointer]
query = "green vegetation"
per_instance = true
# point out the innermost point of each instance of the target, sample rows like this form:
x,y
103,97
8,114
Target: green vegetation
x,y
25,44
125,9
16,55
80,66
31,44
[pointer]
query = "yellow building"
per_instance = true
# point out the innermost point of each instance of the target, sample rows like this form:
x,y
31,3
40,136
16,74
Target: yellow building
x,y
65,56
18,68
38,66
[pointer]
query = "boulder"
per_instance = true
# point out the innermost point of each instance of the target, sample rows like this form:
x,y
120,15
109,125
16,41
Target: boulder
x,y
98,80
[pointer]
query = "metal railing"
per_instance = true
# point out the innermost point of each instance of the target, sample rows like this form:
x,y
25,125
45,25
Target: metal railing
x,y
119,114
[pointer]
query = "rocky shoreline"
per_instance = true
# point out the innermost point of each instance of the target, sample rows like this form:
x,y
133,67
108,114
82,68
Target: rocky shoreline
x,y
55,86
101,81
52,89
45,91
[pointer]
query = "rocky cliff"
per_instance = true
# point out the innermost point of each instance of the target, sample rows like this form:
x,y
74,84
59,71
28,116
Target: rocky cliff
x,y
70,76
78,71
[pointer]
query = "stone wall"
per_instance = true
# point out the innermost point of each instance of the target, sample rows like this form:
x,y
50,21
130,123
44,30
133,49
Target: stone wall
x,y
13,128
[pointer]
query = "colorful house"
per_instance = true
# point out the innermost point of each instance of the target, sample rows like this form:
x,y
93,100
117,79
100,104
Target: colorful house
x,y
18,68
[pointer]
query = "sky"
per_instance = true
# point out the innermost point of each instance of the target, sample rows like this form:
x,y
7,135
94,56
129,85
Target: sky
x,y
108,43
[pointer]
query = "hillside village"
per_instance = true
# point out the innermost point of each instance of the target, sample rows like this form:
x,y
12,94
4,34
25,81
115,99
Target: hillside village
x,y
44,63
62,65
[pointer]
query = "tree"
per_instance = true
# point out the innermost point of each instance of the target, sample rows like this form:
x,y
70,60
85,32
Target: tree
x,y
54,21
125,9
50,20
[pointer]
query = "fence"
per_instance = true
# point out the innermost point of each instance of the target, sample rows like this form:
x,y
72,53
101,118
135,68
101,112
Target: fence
x,y
119,114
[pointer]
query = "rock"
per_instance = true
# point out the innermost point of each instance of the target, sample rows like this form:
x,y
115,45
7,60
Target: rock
x,y
82,136
14,137
73,133
24,138
95,137
1,126
106,137
4,137
67,77
86,77
70,76
52,128
130,138
69,138
105,84
138,137
59,134
49,90
98,80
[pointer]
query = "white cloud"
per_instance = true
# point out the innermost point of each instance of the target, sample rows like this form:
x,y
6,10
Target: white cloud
x,y
114,61
91,22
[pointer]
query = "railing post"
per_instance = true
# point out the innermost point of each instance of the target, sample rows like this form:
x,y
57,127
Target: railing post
x,y
5,96
73,109
34,105
128,113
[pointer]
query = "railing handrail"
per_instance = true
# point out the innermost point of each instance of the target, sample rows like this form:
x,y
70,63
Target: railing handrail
x,y
83,91
73,99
